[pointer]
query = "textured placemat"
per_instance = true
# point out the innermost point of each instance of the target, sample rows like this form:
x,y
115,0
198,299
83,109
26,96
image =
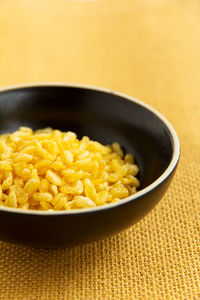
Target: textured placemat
x,y
148,49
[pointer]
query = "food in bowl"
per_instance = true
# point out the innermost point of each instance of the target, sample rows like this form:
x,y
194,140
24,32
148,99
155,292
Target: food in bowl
x,y
100,114
52,170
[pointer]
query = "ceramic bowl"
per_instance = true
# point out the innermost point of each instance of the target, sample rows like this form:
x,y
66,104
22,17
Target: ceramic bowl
x,y
107,117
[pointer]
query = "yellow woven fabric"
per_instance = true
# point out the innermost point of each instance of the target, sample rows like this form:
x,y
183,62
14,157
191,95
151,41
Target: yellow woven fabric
x,y
149,49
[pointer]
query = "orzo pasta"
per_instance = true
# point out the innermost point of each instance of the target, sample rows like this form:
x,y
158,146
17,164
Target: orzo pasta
x,y
53,170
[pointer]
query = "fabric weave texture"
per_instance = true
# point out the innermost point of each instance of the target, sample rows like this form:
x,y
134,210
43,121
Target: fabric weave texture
x,y
149,50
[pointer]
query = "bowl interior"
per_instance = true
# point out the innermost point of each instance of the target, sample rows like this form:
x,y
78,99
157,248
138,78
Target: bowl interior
x,y
102,116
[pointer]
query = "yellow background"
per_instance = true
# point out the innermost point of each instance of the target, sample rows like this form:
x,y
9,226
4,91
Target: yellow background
x,y
149,49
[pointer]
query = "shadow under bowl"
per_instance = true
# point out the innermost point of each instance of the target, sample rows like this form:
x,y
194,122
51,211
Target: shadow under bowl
x,y
104,116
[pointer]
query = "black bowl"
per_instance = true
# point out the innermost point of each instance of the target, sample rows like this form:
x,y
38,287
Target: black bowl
x,y
104,116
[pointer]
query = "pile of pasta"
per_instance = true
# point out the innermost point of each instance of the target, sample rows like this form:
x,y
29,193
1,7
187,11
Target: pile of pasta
x,y
53,170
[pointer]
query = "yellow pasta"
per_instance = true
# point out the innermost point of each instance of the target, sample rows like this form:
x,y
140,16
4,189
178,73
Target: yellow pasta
x,y
53,170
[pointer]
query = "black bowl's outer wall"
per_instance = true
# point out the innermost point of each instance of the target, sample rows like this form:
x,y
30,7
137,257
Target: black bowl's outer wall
x,y
55,231
104,117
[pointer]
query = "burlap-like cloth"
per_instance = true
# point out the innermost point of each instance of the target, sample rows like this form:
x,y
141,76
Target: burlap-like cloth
x,y
149,49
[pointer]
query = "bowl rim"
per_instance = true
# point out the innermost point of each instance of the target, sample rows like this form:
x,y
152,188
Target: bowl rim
x,y
139,194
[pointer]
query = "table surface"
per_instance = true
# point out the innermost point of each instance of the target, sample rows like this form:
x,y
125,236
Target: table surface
x,y
147,49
